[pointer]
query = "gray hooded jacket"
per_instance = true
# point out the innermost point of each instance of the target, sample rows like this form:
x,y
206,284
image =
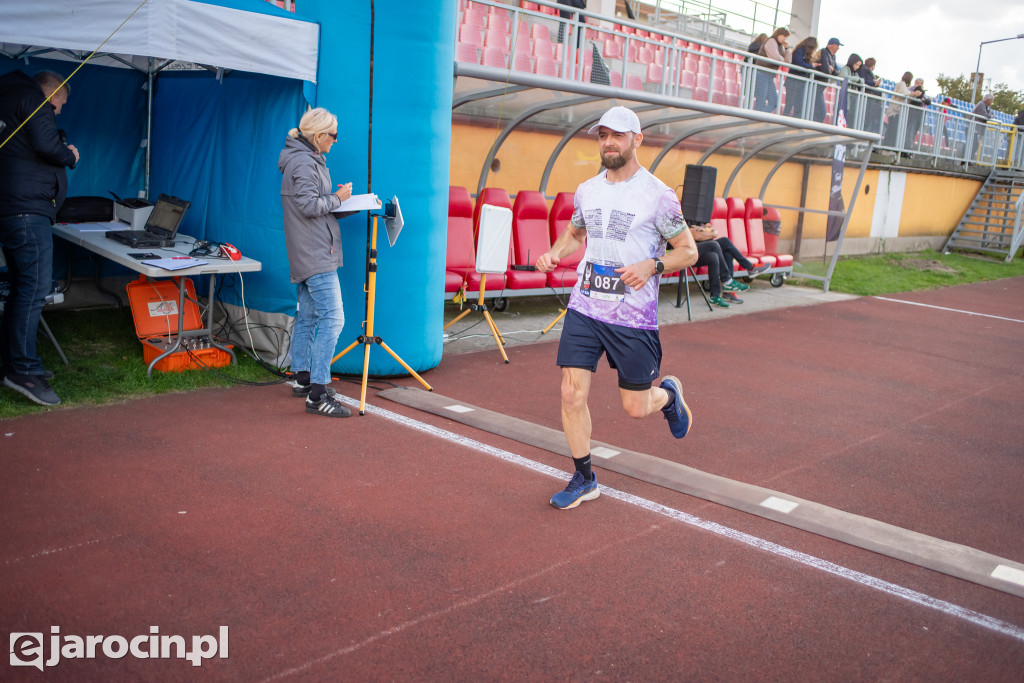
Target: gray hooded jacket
x,y
311,232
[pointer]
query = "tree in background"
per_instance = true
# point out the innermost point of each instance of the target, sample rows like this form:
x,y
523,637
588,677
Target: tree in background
x,y
959,87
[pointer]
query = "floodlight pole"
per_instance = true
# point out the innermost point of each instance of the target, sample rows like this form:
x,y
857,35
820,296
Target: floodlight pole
x,y
977,67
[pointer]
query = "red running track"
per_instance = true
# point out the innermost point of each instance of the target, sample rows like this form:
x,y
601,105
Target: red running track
x,y
364,549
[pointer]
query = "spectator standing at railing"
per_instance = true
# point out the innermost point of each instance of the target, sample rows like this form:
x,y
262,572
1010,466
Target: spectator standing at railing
x,y
826,66
982,114
918,101
566,14
766,97
900,95
1018,120
755,45
873,110
796,82
850,72
946,123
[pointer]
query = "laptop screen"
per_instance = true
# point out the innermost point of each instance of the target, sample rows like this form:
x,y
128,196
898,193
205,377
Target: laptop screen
x,y
166,216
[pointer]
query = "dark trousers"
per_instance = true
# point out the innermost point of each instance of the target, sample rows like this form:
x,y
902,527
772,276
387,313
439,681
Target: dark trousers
x,y
709,253
28,250
820,112
795,97
915,114
731,252
766,98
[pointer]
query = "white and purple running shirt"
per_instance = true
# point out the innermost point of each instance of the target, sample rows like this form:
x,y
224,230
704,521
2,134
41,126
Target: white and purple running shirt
x,y
626,222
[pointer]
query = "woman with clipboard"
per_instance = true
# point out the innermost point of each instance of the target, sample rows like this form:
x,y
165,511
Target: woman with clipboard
x,y
313,241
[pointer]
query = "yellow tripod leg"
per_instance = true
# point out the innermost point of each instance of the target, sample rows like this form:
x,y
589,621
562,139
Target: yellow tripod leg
x,y
555,321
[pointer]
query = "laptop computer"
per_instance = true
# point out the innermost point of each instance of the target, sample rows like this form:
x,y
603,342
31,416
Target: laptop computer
x,y
161,227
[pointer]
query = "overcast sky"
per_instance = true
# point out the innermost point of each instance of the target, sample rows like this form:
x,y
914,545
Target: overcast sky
x,y
926,37
929,37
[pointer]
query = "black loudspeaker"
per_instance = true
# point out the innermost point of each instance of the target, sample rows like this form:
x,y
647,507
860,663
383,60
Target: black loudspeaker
x,y
698,193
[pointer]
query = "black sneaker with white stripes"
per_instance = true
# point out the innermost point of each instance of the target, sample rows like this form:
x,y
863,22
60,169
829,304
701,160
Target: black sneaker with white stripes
x,y
328,406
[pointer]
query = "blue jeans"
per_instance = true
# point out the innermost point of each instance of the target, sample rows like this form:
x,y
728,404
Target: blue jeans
x,y
317,326
28,251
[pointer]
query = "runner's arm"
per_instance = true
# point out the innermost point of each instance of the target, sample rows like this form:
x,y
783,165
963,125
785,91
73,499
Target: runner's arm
x,y
568,242
682,255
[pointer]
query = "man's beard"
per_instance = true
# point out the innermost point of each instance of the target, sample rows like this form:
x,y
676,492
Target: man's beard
x,y
615,160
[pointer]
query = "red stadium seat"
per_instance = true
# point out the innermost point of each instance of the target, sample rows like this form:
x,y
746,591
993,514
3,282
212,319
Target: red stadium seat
x,y
752,214
495,196
561,211
719,216
461,256
771,242
654,73
465,52
495,56
737,227
530,239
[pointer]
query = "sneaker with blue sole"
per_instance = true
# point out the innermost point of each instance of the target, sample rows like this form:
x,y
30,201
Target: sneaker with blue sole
x,y
676,411
578,490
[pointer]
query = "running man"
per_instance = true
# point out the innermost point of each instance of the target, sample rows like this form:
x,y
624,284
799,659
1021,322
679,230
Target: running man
x,y
626,216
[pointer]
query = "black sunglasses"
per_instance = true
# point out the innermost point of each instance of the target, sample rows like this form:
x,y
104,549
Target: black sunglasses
x,y
333,136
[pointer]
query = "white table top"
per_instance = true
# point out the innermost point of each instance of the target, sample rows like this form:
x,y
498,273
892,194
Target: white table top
x,y
87,235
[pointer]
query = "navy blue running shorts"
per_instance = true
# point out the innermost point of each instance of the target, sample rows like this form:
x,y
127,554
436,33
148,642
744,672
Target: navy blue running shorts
x,y
636,354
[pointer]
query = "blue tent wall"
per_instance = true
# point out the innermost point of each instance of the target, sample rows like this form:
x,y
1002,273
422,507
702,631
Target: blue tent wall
x,y
411,133
216,143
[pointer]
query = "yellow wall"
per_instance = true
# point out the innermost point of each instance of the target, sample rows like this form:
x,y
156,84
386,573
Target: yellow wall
x,y
934,205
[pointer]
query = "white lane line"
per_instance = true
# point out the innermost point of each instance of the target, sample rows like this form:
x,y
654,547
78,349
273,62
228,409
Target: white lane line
x,y
901,592
952,310
51,551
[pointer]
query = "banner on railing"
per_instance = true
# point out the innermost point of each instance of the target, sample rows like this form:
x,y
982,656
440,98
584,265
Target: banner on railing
x,y
836,206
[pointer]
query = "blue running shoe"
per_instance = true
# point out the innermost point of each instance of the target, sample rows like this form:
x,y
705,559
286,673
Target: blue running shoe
x,y
578,490
676,412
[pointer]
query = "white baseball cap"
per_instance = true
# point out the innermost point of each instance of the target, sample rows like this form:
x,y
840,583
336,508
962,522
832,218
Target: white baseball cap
x,y
619,119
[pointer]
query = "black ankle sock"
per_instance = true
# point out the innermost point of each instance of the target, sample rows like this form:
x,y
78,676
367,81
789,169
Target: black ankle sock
x,y
583,465
316,392
671,400
302,377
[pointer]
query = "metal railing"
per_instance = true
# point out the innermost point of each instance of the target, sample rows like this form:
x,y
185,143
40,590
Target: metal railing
x,y
1018,228
587,47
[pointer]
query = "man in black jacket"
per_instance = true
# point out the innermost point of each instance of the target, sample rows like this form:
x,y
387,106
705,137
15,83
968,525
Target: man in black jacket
x,y
33,184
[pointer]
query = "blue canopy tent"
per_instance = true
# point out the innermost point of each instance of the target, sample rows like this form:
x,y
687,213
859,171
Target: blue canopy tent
x,y
194,98
186,98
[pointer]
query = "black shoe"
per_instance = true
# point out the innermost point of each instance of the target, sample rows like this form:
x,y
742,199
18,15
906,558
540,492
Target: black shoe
x,y
328,406
33,387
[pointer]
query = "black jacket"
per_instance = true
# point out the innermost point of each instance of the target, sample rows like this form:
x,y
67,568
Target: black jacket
x,y
32,175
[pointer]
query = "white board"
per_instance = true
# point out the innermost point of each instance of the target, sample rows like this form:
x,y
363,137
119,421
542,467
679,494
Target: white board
x,y
494,239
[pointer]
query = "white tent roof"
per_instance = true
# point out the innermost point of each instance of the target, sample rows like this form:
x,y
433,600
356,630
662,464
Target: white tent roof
x,y
247,35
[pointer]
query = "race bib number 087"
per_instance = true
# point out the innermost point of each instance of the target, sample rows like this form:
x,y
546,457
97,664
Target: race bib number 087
x,y
602,283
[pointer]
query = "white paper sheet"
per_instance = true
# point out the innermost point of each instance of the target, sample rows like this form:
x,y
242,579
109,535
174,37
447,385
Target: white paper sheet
x,y
99,227
175,263
359,202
